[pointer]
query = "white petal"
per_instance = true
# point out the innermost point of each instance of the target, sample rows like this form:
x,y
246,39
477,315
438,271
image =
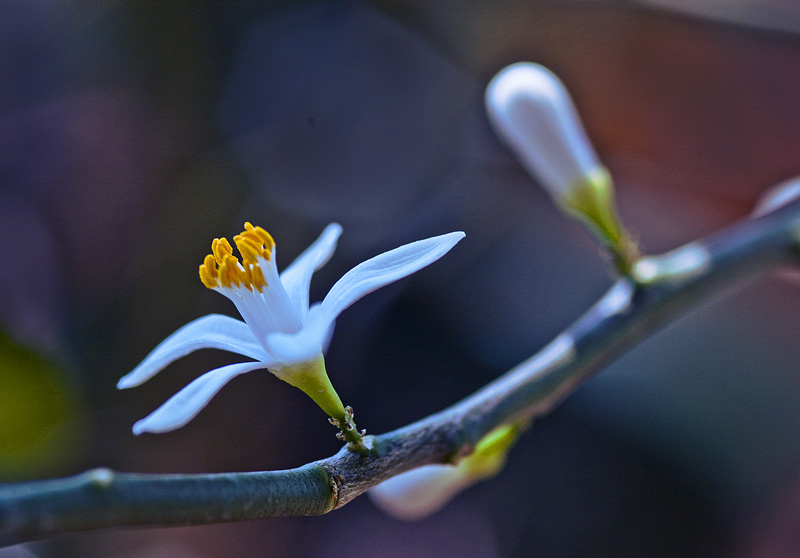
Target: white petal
x,y
385,268
184,405
214,331
266,311
778,196
533,114
419,492
306,344
297,277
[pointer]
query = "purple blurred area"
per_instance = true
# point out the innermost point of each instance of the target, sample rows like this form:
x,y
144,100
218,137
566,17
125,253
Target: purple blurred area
x,y
133,133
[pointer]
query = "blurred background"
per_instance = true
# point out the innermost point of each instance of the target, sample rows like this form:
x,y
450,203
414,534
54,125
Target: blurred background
x,y
132,133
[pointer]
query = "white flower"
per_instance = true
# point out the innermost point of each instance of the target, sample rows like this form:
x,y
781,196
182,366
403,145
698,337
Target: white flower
x,y
420,492
280,331
532,112
425,490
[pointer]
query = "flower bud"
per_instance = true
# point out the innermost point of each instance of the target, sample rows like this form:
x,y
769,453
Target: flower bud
x,y
422,491
533,114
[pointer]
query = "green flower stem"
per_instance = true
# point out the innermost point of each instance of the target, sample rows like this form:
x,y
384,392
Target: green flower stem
x,y
631,311
312,378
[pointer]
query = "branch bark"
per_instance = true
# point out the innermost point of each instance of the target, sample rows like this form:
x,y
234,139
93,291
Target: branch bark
x,y
635,307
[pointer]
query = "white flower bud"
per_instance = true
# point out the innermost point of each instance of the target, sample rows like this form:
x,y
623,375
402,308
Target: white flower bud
x,y
420,492
532,112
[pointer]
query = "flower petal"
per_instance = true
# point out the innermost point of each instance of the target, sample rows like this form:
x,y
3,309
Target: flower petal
x,y
214,331
184,405
532,112
420,492
385,268
266,311
306,344
297,277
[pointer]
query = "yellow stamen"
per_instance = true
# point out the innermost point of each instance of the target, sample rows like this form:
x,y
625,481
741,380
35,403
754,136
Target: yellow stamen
x,y
220,247
222,269
248,248
208,272
263,235
258,277
229,271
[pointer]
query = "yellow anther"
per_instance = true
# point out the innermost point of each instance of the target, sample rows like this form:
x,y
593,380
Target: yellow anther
x,y
254,277
208,272
221,248
247,277
222,269
254,240
264,237
249,235
260,237
223,277
258,280
250,249
211,265
229,271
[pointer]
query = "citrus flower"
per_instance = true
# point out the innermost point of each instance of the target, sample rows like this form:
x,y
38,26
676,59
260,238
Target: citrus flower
x,y
532,112
425,490
281,332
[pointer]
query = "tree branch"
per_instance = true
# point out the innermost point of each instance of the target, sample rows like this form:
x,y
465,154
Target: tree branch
x,y
661,288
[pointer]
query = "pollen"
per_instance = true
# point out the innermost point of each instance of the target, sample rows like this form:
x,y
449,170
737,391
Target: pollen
x,y
222,269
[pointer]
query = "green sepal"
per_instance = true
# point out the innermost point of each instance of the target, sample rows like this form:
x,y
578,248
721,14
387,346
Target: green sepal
x,y
592,201
491,452
312,379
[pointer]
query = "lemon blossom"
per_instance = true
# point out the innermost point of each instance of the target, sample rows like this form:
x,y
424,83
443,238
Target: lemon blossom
x,y
425,490
281,332
420,492
532,112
